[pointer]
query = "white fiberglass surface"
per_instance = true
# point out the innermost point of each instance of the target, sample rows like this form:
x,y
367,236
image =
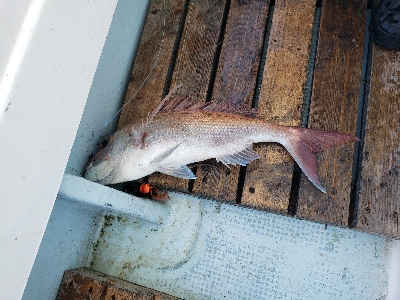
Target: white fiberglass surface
x,y
209,250
66,244
202,249
48,56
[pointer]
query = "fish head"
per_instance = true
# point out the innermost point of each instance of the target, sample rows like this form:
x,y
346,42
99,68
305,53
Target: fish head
x,y
119,160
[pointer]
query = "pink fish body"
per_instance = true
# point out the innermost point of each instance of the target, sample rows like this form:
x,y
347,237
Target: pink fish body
x,y
179,132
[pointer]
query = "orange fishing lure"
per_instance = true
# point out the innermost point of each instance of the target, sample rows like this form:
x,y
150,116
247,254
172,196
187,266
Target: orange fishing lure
x,y
146,188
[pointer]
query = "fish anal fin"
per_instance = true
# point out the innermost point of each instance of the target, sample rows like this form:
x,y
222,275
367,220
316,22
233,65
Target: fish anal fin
x,y
241,158
181,172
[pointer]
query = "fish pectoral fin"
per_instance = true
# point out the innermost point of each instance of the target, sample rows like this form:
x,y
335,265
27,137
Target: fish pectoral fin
x,y
181,172
164,155
241,158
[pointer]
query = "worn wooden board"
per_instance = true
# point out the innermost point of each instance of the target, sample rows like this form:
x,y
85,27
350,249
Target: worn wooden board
x,y
84,283
235,83
334,103
194,63
268,180
152,59
379,197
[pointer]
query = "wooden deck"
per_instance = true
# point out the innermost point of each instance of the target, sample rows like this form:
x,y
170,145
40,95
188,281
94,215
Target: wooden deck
x,y
299,63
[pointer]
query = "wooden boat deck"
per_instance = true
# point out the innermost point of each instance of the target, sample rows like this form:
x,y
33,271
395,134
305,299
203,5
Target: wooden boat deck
x,y
305,63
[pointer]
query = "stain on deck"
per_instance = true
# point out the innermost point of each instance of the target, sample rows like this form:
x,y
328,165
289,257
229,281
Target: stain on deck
x,y
303,63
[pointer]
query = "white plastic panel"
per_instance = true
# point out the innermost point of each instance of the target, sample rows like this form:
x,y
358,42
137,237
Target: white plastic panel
x,y
49,54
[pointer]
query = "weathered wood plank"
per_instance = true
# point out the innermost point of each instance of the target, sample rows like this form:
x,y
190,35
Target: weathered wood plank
x,y
197,48
241,52
84,283
379,197
153,57
334,103
194,63
235,83
268,180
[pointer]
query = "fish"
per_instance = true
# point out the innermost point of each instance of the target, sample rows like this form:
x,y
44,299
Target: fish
x,y
179,132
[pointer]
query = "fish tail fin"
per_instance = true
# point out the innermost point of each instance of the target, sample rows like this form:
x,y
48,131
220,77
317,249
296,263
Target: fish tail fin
x,y
304,143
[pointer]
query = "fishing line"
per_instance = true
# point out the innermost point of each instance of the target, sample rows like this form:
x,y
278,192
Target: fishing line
x,y
148,75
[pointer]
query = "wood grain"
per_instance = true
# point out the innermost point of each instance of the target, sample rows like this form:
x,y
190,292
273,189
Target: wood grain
x,y
268,180
153,57
84,283
379,198
235,83
334,103
194,64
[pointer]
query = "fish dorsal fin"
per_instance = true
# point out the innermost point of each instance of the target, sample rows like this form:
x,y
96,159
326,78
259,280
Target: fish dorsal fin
x,y
183,103
163,102
180,103
241,158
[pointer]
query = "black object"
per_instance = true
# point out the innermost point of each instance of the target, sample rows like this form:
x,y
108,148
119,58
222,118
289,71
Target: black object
x,y
385,24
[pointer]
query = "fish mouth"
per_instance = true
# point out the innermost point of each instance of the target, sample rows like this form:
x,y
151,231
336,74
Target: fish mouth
x,y
106,180
104,166
101,172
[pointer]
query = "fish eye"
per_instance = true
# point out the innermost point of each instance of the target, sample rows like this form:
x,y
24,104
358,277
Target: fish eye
x,y
104,142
